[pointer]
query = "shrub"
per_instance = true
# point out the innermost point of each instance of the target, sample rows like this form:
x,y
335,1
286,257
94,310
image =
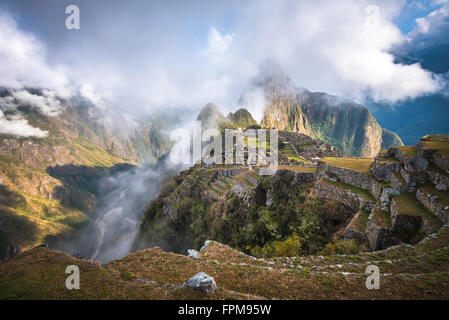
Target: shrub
x,y
288,248
340,247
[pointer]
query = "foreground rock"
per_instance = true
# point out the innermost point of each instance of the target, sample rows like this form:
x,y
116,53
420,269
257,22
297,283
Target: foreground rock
x,y
201,282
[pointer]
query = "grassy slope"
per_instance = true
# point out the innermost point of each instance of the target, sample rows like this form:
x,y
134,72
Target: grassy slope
x,y
437,142
414,273
357,164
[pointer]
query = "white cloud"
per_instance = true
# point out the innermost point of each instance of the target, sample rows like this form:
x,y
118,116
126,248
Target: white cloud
x,y
217,45
47,104
19,127
434,24
22,60
329,46
323,45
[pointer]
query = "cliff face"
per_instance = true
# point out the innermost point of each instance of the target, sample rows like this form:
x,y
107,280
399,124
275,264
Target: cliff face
x,y
343,123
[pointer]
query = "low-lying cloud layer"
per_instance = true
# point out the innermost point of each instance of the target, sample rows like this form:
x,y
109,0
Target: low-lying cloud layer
x,y
17,126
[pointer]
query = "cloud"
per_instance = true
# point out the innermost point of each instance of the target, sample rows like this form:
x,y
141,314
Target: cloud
x,y
217,45
22,59
340,48
429,30
19,127
47,104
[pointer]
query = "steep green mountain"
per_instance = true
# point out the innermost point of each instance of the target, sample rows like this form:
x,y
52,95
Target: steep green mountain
x,y
48,185
242,118
390,139
345,124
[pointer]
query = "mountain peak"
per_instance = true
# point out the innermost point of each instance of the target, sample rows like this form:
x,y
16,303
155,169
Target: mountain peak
x,y
273,80
210,111
211,117
242,118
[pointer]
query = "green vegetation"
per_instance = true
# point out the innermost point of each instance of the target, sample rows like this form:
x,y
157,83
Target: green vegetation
x,y
288,151
242,119
288,248
255,228
357,164
340,247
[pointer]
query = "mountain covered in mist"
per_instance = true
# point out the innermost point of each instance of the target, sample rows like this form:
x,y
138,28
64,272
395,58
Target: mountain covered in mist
x,y
49,183
282,108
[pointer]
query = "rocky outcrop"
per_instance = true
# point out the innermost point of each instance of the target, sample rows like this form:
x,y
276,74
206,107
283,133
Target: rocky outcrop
x,y
385,197
441,161
416,163
383,172
201,282
440,180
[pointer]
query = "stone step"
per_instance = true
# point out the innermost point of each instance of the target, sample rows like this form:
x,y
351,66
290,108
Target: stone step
x,y
221,183
215,194
227,179
217,188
